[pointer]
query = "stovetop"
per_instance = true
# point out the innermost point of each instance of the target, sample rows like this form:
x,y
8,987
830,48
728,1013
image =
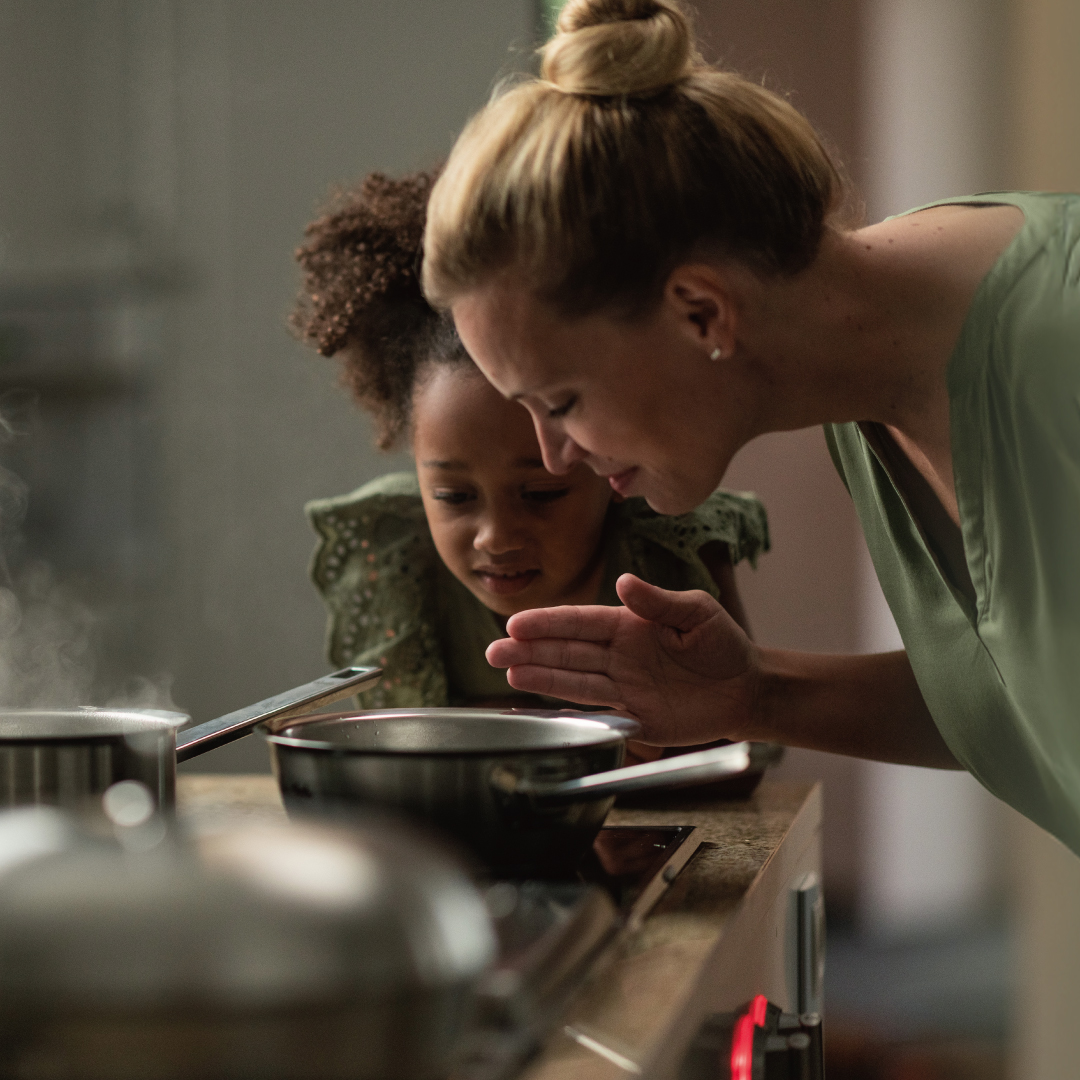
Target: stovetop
x,y
550,931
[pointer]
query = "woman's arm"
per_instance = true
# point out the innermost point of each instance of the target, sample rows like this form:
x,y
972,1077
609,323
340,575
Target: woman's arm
x,y
863,706
681,665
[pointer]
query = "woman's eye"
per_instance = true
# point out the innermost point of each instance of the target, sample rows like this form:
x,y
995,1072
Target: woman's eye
x,y
454,498
563,409
546,495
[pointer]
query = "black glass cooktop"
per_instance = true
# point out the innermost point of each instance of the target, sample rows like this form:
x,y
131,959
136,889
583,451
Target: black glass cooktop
x,y
626,859
550,931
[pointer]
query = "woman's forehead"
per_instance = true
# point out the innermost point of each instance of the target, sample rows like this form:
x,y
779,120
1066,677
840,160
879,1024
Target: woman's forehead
x,y
515,339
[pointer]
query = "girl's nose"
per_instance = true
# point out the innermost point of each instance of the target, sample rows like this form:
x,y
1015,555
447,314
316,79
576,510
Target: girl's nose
x,y
498,534
559,451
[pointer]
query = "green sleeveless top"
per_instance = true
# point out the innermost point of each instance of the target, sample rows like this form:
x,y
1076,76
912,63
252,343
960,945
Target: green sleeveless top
x,y
996,650
393,603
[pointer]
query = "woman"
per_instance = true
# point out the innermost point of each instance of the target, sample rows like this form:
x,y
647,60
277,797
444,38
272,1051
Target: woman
x,y
650,256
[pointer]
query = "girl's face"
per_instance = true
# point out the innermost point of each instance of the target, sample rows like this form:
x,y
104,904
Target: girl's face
x,y
639,402
513,534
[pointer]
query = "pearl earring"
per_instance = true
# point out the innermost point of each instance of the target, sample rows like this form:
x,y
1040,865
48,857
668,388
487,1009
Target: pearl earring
x,y
716,354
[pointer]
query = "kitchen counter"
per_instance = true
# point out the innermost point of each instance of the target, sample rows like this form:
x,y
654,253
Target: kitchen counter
x,y
724,931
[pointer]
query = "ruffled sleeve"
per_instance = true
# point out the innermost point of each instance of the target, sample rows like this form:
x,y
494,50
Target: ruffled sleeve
x,y
375,567
734,518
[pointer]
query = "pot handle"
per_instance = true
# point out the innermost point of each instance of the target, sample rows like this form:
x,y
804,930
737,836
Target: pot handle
x,y
225,729
696,768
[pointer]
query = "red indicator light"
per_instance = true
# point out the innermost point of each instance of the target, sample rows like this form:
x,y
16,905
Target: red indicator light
x,y
758,1008
742,1049
742,1038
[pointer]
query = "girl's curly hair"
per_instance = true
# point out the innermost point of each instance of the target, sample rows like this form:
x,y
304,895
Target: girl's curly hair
x,y
361,296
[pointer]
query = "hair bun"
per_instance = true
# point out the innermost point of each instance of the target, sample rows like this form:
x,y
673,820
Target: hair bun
x,y
606,48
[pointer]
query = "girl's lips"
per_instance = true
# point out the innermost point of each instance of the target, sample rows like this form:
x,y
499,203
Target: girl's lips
x,y
504,584
621,482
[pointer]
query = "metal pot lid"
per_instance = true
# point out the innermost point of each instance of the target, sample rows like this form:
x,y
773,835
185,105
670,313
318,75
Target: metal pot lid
x,y
37,725
453,731
261,917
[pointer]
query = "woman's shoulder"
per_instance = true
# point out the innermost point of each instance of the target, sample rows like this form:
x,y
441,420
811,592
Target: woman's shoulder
x,y
1035,204
736,519
1022,332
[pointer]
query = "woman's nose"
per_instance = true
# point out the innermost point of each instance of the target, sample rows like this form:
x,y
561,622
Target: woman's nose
x,y
559,451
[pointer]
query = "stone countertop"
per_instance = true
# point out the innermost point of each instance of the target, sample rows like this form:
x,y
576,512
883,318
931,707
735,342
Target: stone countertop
x,y
206,802
737,839
714,939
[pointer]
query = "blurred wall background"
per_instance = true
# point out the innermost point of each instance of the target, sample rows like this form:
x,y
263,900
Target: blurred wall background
x,y
1043,102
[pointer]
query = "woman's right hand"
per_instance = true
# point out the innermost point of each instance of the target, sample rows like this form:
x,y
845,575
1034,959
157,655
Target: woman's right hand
x,y
674,660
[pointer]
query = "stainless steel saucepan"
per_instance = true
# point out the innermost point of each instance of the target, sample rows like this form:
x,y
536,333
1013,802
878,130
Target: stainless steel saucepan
x,y
69,757
526,791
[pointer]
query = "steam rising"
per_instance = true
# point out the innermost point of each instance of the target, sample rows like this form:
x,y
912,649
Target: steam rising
x,y
45,654
47,657
145,692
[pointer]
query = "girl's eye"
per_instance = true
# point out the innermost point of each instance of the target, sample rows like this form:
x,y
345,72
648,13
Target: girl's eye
x,y
563,409
545,495
454,498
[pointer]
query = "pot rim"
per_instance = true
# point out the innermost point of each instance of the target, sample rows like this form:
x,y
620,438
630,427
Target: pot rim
x,y
602,730
114,724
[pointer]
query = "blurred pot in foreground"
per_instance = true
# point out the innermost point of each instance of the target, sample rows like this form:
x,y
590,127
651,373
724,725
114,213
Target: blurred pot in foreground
x,y
270,952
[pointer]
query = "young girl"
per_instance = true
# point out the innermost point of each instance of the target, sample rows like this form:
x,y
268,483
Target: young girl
x,y
420,572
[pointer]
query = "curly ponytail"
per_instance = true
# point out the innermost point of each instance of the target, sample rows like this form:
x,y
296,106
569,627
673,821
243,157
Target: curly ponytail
x,y
361,297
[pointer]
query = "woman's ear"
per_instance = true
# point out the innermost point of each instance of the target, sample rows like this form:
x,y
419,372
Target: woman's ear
x,y
700,298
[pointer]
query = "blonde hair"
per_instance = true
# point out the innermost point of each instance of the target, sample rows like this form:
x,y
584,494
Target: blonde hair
x,y
626,157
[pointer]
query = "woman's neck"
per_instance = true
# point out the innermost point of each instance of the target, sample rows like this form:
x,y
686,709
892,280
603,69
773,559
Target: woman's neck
x,y
867,331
